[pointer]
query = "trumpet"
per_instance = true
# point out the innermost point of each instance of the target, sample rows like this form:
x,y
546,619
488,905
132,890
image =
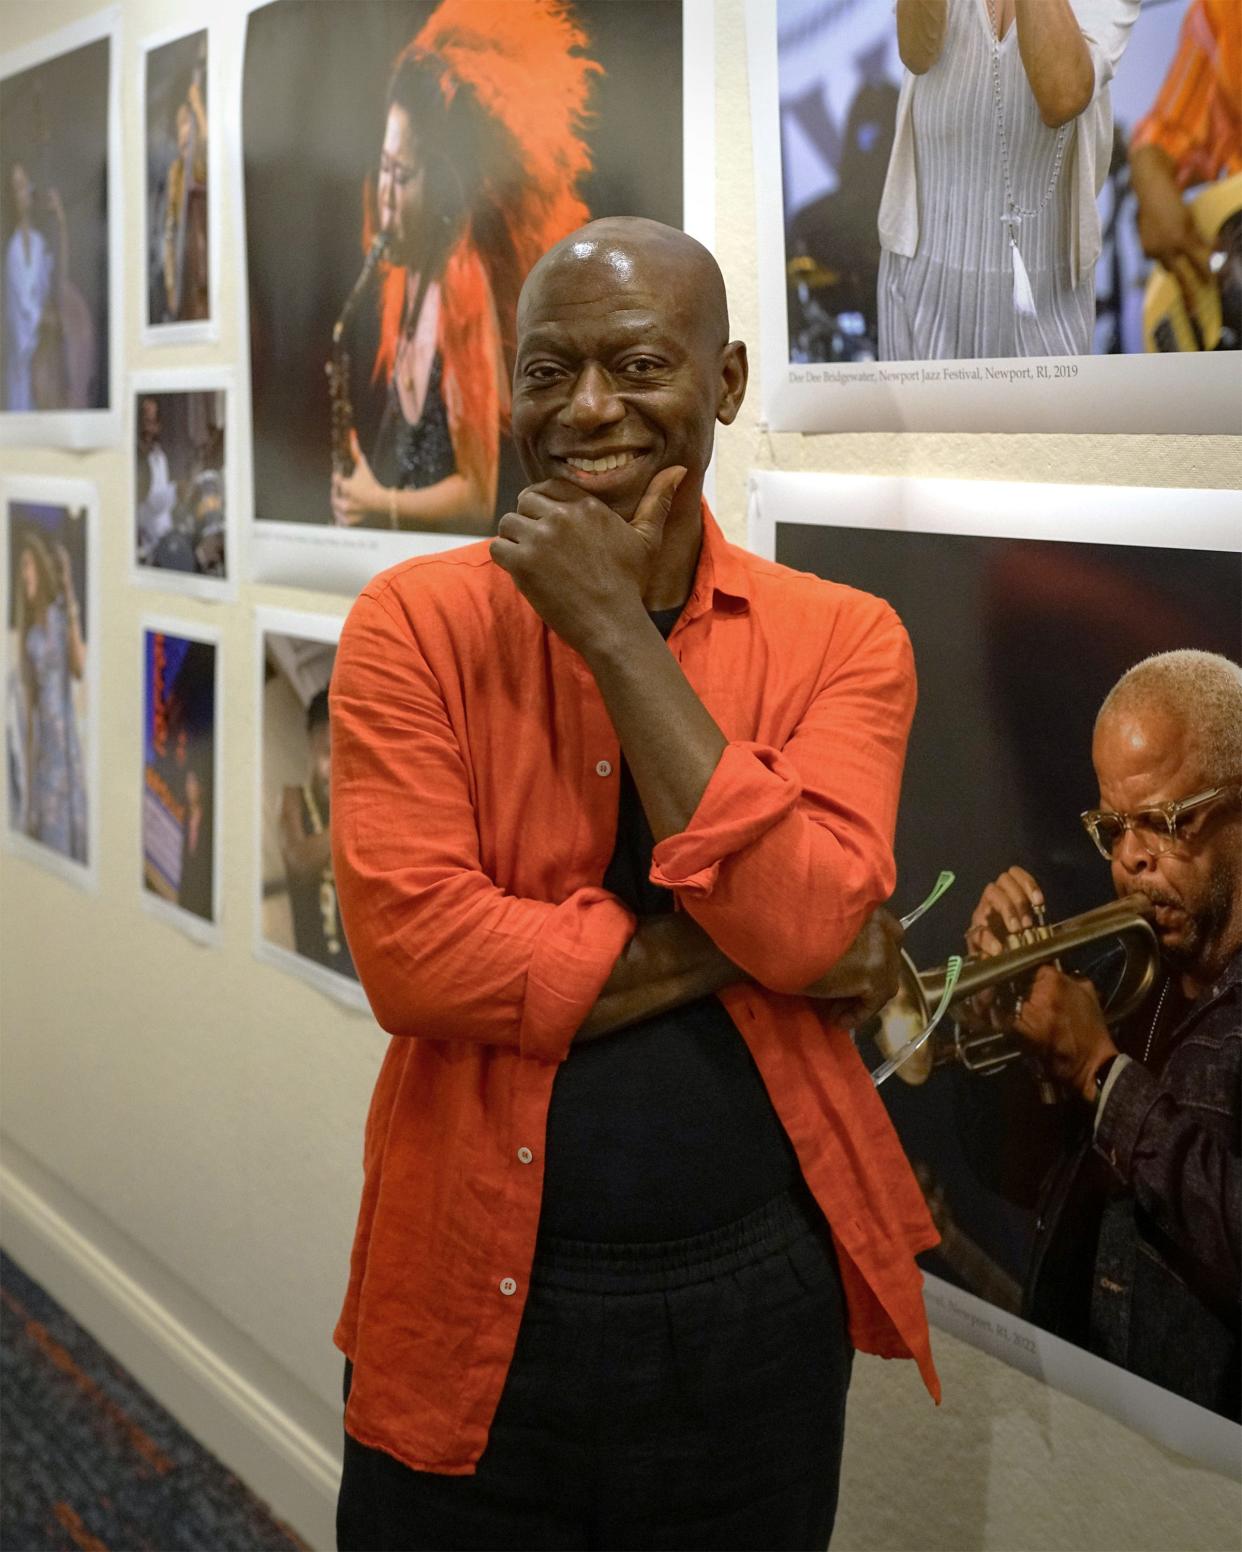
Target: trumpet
x,y
905,1030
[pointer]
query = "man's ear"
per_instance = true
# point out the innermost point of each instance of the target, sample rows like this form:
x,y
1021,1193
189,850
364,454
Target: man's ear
x,y
734,374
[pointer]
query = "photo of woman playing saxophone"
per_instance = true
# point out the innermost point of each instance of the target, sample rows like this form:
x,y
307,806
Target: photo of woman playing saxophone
x,y
465,200
394,203
178,220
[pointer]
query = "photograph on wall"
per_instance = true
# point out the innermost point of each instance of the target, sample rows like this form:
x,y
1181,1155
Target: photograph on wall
x,y
60,234
392,207
184,482
180,195
51,674
298,922
1090,1242
180,776
959,231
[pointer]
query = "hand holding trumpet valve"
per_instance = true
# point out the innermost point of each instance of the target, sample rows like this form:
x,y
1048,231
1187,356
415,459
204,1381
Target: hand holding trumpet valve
x,y
1057,1016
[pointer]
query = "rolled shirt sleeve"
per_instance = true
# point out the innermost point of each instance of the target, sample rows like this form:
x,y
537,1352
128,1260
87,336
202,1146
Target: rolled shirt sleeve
x,y
441,950
790,849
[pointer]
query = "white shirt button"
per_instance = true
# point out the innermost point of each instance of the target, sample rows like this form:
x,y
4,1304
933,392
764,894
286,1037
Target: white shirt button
x,y
603,767
507,1286
525,1156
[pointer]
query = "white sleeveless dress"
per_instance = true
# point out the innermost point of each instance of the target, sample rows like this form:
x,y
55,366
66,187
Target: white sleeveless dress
x,y
953,298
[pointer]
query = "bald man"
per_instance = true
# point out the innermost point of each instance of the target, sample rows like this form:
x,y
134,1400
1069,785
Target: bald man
x,y
613,804
1137,1248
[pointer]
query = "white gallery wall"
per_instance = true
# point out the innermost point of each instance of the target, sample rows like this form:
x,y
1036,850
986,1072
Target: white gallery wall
x,y
182,1126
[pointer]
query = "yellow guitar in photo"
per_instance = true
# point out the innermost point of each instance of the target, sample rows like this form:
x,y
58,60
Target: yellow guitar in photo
x,y
1167,324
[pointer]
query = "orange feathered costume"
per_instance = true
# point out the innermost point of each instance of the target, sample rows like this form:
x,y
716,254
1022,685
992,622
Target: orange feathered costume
x,y
517,57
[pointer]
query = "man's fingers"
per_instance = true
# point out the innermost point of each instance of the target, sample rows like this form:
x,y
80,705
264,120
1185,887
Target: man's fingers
x,y
535,503
503,553
1029,884
1012,898
1017,893
513,527
657,501
550,496
981,939
846,1012
999,906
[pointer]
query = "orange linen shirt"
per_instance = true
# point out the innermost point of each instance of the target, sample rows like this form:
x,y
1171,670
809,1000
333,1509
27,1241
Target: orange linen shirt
x,y
475,777
1197,115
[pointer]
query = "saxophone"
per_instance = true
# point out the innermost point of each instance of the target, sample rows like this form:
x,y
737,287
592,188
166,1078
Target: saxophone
x,y
337,366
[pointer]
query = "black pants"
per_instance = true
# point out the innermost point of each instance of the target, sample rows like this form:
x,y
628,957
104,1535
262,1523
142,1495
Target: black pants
x,y
689,1394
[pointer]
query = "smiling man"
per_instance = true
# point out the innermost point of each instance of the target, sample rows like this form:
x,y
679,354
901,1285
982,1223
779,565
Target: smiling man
x,y
613,804
1137,1244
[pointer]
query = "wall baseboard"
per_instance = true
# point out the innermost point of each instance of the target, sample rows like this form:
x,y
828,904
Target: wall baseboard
x,y
278,1459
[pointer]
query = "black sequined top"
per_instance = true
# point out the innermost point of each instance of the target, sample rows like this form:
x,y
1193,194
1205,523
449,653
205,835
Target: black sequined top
x,y
413,456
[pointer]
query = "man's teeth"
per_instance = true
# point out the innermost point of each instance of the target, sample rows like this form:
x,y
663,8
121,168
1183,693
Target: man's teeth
x,y
601,465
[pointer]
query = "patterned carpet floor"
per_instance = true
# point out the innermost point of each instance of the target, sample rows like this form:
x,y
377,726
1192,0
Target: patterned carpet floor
x,y
89,1460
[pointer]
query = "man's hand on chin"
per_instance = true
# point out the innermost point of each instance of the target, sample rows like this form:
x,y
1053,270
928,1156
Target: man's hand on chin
x,y
581,567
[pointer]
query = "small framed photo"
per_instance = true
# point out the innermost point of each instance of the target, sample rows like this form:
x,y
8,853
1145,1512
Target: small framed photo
x,y
298,925
50,658
181,221
181,771
61,238
184,440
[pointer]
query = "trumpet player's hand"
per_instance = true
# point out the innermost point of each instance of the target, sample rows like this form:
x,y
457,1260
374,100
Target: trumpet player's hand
x,y
1059,1019
358,497
1008,904
866,975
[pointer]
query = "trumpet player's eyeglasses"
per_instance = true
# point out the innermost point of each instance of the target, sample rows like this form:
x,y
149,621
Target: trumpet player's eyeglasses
x,y
1155,828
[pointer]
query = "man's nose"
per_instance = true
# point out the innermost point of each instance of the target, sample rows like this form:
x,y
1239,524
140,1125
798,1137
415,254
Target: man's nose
x,y
1132,855
593,401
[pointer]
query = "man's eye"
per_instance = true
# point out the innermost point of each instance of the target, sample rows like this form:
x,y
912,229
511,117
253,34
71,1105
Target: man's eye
x,y
541,372
642,366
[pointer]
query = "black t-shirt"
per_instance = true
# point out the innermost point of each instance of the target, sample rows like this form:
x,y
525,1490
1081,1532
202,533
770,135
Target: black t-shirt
x,y
664,1129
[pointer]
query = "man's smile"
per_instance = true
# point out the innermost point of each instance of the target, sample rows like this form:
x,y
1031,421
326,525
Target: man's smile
x,y
611,473
602,463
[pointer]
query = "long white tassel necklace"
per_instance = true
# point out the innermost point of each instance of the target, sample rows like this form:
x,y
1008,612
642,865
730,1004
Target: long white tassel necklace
x,y
1023,296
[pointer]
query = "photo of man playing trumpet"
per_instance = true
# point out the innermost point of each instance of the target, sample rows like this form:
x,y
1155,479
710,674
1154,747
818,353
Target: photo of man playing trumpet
x,y
1136,1248
1080,698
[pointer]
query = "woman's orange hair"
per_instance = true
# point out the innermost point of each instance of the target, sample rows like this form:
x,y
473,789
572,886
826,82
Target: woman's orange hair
x,y
513,98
